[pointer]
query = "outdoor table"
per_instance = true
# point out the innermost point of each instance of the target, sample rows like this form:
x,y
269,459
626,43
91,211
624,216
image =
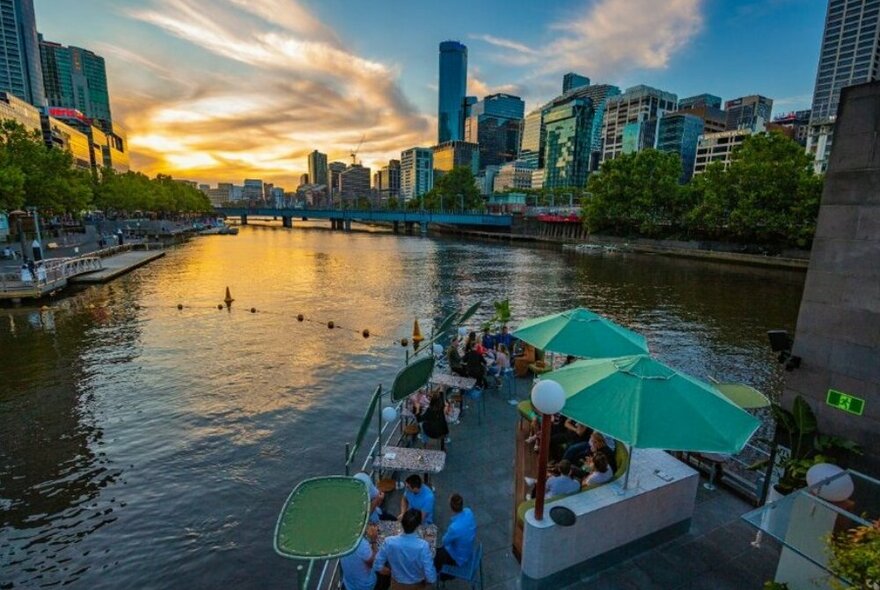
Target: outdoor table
x,y
410,460
450,380
389,528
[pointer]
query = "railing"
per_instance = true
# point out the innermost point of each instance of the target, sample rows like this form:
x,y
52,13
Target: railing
x,y
51,272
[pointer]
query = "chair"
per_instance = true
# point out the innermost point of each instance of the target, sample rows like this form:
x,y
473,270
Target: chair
x,y
521,363
467,572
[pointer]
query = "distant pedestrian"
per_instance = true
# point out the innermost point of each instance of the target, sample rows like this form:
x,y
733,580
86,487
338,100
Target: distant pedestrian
x,y
119,238
41,273
26,275
32,267
38,250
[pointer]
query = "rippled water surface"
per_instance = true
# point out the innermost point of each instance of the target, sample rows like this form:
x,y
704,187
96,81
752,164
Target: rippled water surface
x,y
150,447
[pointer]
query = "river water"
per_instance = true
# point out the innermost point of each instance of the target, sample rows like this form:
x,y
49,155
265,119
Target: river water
x,y
142,446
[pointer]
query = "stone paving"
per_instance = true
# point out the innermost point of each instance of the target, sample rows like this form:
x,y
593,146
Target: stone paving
x,y
715,554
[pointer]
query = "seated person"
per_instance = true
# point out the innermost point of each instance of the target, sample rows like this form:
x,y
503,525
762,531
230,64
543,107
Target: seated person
x,y
433,420
502,358
504,339
475,365
454,357
405,558
420,497
601,471
357,567
573,434
458,543
488,340
376,499
559,482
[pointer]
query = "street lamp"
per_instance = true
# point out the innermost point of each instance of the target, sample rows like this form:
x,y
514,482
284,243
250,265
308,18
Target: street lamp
x,y
548,398
18,214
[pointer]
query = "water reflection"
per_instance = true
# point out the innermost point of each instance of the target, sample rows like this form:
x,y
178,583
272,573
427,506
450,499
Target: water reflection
x,y
142,445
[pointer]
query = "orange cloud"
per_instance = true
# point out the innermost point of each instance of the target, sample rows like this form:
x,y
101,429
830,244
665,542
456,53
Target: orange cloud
x,y
283,85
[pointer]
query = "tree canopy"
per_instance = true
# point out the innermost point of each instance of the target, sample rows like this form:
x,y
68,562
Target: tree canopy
x,y
453,190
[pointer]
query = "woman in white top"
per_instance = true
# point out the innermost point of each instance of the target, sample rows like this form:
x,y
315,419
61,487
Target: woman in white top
x,y
26,276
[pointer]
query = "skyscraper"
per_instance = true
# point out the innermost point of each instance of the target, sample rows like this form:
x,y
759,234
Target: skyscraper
x,y
567,143
354,182
456,154
639,104
317,168
570,81
20,72
452,88
334,172
679,133
850,55
387,180
416,172
495,124
76,78
708,108
748,112
531,140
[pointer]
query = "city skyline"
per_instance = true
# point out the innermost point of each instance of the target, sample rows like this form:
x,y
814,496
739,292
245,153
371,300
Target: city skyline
x,y
252,89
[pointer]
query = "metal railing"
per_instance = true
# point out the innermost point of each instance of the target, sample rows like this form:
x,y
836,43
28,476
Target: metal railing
x,y
50,273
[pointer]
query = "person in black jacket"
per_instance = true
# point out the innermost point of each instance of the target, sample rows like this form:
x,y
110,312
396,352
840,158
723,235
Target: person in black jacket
x,y
434,420
475,365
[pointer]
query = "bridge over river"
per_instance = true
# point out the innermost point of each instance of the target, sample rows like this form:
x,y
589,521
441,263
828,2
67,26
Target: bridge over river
x,y
342,218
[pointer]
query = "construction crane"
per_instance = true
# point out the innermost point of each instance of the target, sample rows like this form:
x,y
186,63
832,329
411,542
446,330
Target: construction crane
x,y
355,151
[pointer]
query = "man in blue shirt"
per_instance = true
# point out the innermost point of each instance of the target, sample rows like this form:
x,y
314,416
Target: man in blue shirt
x,y
458,542
357,567
418,496
407,557
505,338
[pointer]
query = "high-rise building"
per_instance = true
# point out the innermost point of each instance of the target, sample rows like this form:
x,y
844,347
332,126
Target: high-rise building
x,y
795,125
850,55
513,176
108,146
387,180
679,133
640,135
452,88
317,168
253,189
748,112
567,144
20,71
719,147
639,104
485,179
714,118
416,172
456,154
76,78
495,123
700,100
570,81
334,172
60,135
12,107
531,140
304,179
354,182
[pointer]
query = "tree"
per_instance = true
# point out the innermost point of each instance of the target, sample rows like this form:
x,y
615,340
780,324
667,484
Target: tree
x,y
453,190
637,193
768,194
392,204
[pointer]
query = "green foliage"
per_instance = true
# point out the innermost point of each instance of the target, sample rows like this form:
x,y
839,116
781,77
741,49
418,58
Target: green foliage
x,y
454,189
133,191
855,557
768,195
501,317
637,193
392,204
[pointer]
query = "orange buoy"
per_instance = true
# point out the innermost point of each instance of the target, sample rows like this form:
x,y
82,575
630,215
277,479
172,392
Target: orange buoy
x,y
219,306
300,318
228,300
253,310
365,333
331,325
404,342
180,306
417,333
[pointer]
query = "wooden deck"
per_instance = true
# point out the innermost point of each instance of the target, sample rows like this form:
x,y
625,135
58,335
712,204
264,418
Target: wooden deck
x,y
118,265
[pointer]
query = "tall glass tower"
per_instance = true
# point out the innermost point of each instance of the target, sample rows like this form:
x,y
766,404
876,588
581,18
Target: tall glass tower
x,y
76,78
20,72
452,88
850,55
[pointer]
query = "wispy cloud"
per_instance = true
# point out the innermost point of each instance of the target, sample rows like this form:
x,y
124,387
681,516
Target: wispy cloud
x,y
295,88
506,44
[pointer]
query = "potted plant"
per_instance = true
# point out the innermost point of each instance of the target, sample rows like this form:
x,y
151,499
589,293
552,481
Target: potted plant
x,y
797,429
854,556
501,316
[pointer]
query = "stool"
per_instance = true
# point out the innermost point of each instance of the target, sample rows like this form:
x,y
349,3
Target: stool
x,y
715,462
387,485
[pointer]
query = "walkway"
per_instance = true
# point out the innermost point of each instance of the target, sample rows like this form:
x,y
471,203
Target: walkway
x,y
716,553
119,264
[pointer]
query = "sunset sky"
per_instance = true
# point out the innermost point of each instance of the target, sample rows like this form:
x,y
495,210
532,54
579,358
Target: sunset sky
x,y
220,90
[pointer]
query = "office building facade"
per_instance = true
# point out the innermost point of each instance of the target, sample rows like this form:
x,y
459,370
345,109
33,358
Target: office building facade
x,y
639,104
495,123
531,140
795,125
354,182
20,71
76,78
567,144
512,176
719,147
387,181
700,100
451,92
317,168
416,172
570,81
334,172
108,147
748,112
59,135
679,133
456,154
12,107
850,55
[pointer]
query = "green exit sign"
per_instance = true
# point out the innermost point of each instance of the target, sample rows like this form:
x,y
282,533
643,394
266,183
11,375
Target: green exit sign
x,y
844,401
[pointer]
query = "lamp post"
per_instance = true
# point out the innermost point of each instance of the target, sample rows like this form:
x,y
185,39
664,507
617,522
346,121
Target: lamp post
x,y
18,213
548,398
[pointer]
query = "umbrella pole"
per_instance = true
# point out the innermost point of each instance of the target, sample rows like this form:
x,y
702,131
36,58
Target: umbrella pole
x,y
628,469
541,486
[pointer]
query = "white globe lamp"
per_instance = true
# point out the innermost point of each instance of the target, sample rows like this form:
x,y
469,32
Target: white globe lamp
x,y
438,349
548,397
389,414
462,331
840,488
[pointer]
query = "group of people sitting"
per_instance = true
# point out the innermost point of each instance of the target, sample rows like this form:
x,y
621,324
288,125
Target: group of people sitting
x,y
579,456
404,561
480,358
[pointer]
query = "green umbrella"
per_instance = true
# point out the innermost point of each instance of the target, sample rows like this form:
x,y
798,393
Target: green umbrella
x,y
646,404
580,332
745,396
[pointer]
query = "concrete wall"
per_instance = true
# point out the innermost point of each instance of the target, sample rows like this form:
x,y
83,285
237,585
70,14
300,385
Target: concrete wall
x,y
838,329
